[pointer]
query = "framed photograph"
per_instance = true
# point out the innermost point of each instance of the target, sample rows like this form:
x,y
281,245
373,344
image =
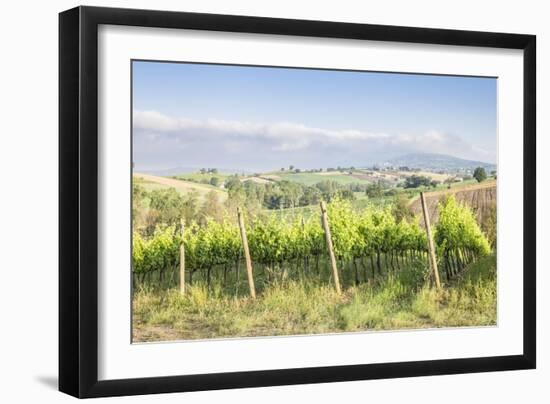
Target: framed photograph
x,y
251,201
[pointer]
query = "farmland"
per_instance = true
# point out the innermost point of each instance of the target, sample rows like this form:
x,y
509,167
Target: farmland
x,y
271,201
481,198
378,242
313,178
151,182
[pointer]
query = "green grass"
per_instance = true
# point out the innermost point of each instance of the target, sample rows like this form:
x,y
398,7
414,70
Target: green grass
x,y
399,301
150,183
197,176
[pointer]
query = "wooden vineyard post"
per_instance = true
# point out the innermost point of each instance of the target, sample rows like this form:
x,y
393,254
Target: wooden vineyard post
x,y
246,254
328,238
182,258
431,248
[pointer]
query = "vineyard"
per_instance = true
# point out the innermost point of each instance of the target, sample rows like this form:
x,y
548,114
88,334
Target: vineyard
x,y
331,268
366,245
268,217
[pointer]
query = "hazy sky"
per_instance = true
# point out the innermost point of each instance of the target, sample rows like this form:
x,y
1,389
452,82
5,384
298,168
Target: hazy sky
x,y
258,118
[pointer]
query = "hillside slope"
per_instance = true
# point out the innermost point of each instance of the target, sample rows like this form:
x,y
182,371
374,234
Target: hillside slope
x,y
155,182
480,197
432,161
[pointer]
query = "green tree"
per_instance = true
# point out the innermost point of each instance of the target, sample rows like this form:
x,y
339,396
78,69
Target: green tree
x,y
311,196
346,194
374,191
233,184
292,191
211,208
328,189
167,206
400,208
480,174
415,181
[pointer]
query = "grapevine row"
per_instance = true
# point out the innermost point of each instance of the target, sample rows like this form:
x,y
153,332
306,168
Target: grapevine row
x,y
279,246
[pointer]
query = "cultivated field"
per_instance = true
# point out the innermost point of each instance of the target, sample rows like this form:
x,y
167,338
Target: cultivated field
x,y
313,178
481,198
271,218
289,280
151,182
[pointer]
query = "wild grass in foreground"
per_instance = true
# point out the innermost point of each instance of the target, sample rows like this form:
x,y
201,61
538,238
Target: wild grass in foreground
x,y
398,301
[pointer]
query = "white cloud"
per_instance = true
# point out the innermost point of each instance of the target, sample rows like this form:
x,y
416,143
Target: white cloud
x,y
153,121
243,139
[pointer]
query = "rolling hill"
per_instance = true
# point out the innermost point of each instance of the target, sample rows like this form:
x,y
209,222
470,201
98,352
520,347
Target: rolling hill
x,y
481,198
436,162
154,182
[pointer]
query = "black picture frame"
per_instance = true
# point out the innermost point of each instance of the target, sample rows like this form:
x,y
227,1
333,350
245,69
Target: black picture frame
x,y
78,201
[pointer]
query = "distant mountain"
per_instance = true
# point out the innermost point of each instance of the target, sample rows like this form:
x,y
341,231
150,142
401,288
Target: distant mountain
x,y
436,162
